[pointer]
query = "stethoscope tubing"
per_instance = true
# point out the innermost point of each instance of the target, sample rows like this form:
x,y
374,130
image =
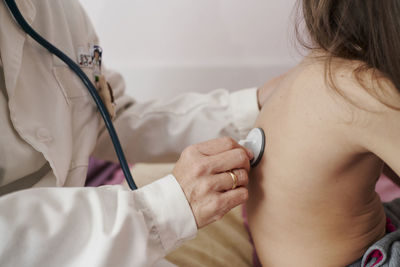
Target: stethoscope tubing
x,y
86,81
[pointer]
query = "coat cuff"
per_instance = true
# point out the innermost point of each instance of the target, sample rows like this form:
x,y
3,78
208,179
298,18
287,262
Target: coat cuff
x,y
171,212
245,110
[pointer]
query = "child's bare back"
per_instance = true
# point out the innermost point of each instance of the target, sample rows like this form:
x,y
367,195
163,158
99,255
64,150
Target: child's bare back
x,y
312,198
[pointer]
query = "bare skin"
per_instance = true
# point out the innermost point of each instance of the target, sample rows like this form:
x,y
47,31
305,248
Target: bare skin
x,y
312,198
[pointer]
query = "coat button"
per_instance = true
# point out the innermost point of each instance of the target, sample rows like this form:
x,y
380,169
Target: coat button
x,y
43,135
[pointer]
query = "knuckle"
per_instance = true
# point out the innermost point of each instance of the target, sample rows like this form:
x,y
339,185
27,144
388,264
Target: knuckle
x,y
197,170
188,151
229,142
242,155
213,186
243,177
201,190
193,149
205,165
201,167
209,185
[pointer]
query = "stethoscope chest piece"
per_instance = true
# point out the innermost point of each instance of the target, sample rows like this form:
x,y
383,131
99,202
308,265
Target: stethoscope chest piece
x,y
255,141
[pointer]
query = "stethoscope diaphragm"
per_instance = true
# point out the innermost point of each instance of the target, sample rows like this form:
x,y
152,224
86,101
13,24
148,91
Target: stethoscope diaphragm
x,y
255,142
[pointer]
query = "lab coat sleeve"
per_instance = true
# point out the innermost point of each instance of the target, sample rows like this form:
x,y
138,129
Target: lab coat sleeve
x,y
158,131
104,226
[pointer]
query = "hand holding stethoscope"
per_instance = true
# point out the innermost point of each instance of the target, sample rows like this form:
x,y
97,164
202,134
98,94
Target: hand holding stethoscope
x,y
213,175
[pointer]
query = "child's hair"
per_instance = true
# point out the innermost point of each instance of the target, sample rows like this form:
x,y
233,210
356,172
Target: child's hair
x,y
362,30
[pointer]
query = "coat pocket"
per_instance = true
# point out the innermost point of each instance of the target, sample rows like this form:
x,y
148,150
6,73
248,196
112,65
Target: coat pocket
x,y
70,83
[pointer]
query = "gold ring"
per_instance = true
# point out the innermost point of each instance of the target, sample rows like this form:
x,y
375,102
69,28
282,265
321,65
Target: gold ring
x,y
234,179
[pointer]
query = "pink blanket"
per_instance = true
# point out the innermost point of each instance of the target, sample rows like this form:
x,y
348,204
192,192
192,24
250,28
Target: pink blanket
x,y
387,189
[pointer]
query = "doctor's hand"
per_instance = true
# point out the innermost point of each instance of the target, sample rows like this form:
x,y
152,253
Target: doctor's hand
x,y
203,173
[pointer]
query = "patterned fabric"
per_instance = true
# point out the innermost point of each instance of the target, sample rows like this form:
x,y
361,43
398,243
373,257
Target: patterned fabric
x,y
376,255
102,172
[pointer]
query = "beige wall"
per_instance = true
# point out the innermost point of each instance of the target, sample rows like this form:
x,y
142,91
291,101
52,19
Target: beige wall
x,y
171,46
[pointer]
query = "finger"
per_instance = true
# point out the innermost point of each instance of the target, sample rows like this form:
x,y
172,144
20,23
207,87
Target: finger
x,y
224,181
229,160
219,204
233,198
219,145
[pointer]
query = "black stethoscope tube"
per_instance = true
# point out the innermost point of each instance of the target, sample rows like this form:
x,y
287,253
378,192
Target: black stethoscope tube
x,y
75,68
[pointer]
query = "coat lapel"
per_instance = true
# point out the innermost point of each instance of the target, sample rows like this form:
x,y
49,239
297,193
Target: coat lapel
x,y
12,39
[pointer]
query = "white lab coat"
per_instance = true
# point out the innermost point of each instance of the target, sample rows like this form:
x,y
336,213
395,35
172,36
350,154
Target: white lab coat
x,y
49,128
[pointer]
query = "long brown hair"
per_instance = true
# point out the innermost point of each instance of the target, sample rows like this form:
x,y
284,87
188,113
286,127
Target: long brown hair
x,y
364,30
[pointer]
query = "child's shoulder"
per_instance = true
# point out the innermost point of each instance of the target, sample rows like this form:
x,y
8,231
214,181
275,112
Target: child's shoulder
x,y
355,89
371,105
355,102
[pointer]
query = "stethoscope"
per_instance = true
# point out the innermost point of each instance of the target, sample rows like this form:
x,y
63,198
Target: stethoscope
x,y
255,140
